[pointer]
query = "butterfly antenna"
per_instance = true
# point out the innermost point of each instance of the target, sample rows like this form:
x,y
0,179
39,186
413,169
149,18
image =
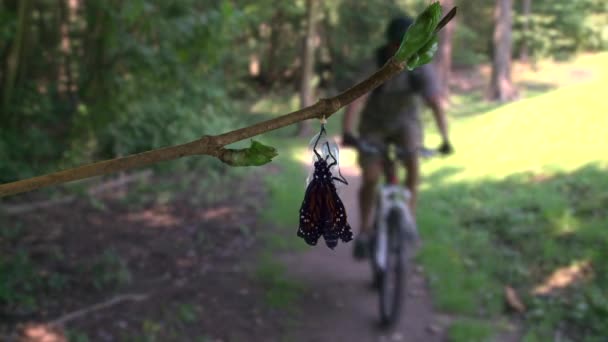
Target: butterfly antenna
x,y
341,179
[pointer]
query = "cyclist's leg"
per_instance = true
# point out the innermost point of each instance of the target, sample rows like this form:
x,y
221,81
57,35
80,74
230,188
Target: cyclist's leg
x,y
412,167
371,169
411,141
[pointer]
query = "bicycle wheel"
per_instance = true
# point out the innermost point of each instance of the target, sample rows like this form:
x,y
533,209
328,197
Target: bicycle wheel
x,y
391,280
373,249
376,269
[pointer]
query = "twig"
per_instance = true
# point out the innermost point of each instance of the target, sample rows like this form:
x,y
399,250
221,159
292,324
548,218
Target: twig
x,y
212,145
207,145
99,306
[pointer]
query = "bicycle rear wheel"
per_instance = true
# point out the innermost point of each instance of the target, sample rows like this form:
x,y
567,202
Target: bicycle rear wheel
x,y
391,280
376,269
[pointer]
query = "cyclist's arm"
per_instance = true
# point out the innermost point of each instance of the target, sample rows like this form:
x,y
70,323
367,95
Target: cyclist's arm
x,y
428,85
434,102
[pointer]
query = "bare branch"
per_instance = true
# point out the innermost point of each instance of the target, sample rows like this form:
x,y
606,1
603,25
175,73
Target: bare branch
x,y
99,306
207,145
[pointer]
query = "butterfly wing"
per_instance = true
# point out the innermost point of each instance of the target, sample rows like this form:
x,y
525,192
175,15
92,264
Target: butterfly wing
x,y
336,224
322,212
310,214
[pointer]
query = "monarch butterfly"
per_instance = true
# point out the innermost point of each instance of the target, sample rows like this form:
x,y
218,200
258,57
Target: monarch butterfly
x,y
322,212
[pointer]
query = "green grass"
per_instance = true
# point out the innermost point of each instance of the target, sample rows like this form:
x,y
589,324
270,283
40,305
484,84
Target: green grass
x,y
466,330
523,196
286,185
285,179
280,291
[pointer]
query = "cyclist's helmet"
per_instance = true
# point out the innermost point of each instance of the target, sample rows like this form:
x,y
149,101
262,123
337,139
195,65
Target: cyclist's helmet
x,y
397,27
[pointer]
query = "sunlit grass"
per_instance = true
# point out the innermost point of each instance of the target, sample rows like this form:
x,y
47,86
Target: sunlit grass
x,y
558,131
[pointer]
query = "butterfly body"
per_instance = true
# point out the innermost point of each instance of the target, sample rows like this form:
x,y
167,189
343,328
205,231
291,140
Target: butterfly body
x,y
322,212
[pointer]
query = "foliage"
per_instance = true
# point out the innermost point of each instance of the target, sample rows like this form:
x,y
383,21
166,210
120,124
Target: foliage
x,y
18,282
108,270
475,53
561,28
557,29
101,79
98,79
25,283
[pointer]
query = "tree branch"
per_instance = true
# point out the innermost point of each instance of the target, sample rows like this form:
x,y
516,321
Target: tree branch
x,y
99,306
214,145
207,145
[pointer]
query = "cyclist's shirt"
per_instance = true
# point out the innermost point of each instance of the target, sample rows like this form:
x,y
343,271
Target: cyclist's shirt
x,y
397,103
391,113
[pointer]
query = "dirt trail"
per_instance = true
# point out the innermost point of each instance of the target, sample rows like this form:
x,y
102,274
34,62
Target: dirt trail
x,y
341,306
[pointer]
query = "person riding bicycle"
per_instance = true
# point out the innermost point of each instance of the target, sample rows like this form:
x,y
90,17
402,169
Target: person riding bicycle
x,y
390,114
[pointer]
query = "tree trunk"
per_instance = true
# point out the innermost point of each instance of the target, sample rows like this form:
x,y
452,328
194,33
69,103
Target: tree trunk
x,y
270,72
14,56
501,86
308,59
524,52
443,58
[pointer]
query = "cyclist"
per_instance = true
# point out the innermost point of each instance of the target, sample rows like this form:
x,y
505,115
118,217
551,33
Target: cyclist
x,y
391,114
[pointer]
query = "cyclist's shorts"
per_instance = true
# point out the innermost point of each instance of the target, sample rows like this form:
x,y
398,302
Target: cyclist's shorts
x,y
407,135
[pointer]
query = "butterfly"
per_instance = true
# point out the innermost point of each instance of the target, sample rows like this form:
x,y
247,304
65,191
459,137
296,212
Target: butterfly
x,y
322,212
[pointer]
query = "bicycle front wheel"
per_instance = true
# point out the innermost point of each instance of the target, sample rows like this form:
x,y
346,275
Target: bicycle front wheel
x,y
391,281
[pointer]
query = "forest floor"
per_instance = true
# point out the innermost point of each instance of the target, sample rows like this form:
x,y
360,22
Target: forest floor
x,y
112,268
138,264
109,269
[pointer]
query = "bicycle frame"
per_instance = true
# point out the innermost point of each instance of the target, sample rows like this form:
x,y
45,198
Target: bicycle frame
x,y
393,228
391,197
392,218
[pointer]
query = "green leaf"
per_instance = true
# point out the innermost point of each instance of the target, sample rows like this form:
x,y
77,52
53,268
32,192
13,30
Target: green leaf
x,y
425,55
415,43
255,155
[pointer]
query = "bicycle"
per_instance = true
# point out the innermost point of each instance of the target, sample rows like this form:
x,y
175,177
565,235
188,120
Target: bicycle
x,y
393,235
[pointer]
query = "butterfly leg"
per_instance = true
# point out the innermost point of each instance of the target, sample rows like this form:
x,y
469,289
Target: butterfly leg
x,y
341,179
